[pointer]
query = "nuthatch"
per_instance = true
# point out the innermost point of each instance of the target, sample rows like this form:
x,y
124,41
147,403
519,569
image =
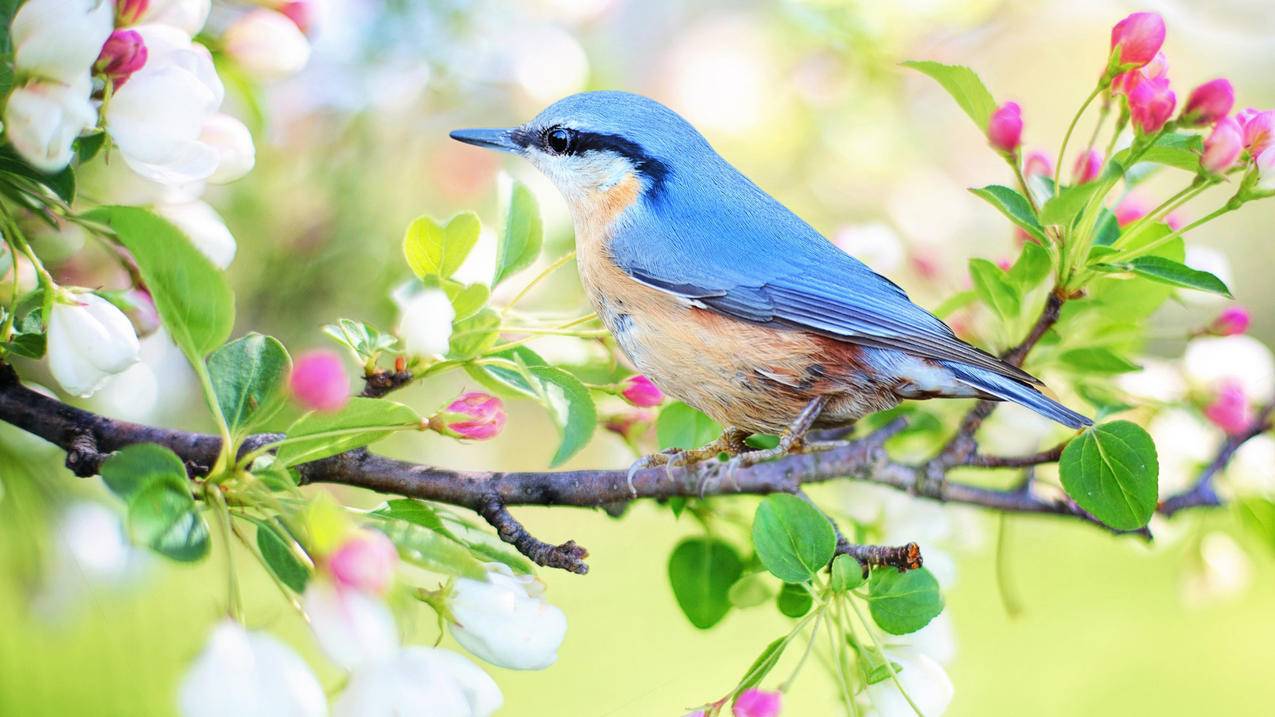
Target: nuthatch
x,y
725,298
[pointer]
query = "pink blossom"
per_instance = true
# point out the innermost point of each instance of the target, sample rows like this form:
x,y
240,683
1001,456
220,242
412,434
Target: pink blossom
x,y
1087,166
123,54
1130,209
1209,102
1173,221
1230,409
365,561
1151,104
1233,320
639,391
128,12
1005,128
1222,147
300,12
624,424
1037,164
1137,38
1265,164
1259,130
756,703
476,416
1158,67
319,381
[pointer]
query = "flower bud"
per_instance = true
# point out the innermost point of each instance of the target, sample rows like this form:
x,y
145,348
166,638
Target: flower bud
x,y
140,309
756,703
1233,320
1088,165
267,44
1151,104
1130,209
89,341
1136,39
42,119
1158,67
639,391
129,12
1259,130
505,621
365,561
1209,103
1173,221
319,381
300,12
1037,164
123,54
246,672
1222,146
476,416
1005,128
626,425
1230,409
232,142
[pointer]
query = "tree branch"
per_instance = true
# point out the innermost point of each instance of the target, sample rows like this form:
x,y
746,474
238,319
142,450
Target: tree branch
x,y
1202,493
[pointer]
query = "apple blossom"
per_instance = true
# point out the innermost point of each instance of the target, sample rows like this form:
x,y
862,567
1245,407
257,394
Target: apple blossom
x,y
232,141
1210,361
267,44
352,627
1136,39
1265,164
1222,146
640,391
248,673
89,341
42,119
365,561
419,680
1158,67
204,227
300,12
1130,209
58,40
757,703
188,16
1151,104
128,12
475,416
1037,164
425,320
1209,102
924,680
1259,130
123,54
505,621
1005,128
139,307
1230,409
1233,320
1088,165
319,381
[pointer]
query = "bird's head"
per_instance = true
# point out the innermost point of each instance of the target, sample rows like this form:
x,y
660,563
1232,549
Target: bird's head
x,y
596,146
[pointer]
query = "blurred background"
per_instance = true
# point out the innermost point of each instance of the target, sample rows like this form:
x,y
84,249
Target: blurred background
x,y
807,98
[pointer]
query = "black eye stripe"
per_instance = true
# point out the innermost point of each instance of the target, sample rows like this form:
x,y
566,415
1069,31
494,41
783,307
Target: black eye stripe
x,y
582,141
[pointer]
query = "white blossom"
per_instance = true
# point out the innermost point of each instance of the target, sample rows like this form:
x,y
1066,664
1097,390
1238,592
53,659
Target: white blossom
x,y
59,39
267,44
352,627
188,16
425,320
247,673
43,118
205,228
419,680
1210,360
89,340
505,620
236,154
924,680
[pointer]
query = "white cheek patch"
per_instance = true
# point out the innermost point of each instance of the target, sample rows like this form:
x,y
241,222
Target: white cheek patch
x,y
581,176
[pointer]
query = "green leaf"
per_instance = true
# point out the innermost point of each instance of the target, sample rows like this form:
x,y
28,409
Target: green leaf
x,y
248,376
466,299
1031,268
680,426
847,573
88,145
1111,471
435,250
132,468
955,303
964,85
426,516
794,540
1014,206
570,406
701,572
901,603
764,663
524,233
61,183
163,516
191,294
415,512
1173,149
1106,230
363,339
1062,208
504,380
433,551
750,590
1098,360
794,600
1257,515
994,289
1167,271
362,421
474,335
278,556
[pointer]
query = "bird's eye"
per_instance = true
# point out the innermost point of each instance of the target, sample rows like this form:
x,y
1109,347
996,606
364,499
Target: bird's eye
x,y
559,140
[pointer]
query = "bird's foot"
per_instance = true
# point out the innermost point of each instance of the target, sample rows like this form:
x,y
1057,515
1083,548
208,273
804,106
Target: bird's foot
x,y
791,441
675,458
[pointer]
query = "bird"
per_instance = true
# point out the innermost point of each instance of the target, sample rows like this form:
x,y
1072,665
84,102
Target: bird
x,y
726,299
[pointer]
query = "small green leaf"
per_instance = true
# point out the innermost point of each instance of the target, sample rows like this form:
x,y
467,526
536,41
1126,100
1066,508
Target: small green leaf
x,y
362,421
524,233
88,145
363,339
1167,271
1172,149
1257,515
278,556
794,540
1098,360
163,515
701,572
764,663
1111,471
847,573
248,376
994,289
433,551
1032,267
61,182
955,303
964,85
193,299
474,335
1106,230
132,468
466,299
570,406
794,600
902,603
750,590
1062,208
680,426
435,250
1014,206
505,380
415,512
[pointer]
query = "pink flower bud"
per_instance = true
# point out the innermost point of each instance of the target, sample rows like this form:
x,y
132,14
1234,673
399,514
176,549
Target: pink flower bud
x,y
365,562
1137,38
300,12
1209,102
140,309
1173,221
1158,67
1151,104
1222,146
476,416
625,424
1259,130
1246,114
128,12
1230,409
1005,128
1088,165
319,381
1233,320
756,703
1130,209
639,391
123,54
1037,164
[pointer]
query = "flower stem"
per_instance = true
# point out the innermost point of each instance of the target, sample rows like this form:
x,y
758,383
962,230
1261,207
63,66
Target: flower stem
x,y
544,274
1071,128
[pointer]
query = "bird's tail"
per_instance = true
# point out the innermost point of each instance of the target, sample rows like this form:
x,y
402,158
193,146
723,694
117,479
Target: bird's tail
x,y
1008,389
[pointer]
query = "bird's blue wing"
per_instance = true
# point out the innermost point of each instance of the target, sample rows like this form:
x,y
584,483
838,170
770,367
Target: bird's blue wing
x,y
767,265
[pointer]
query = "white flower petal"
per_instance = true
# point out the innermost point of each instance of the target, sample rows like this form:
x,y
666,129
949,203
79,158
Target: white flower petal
x,y
88,342
199,221
504,620
249,674
59,39
425,321
188,16
42,119
924,680
1210,360
267,44
236,154
352,628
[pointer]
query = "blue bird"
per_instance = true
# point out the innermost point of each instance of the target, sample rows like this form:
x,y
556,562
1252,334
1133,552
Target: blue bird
x,y
725,298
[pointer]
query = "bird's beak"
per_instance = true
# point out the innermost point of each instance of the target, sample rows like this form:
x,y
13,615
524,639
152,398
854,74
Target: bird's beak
x,y
498,139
